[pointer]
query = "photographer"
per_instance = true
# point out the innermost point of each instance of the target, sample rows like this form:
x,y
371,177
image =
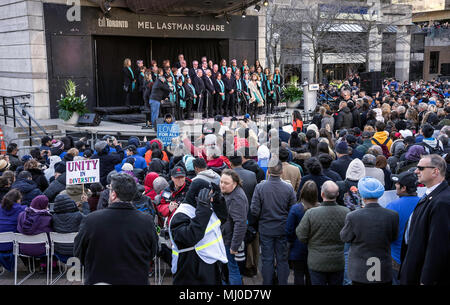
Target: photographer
x,y
199,258
174,194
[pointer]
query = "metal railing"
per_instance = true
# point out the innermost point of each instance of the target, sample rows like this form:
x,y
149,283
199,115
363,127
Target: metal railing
x,y
20,116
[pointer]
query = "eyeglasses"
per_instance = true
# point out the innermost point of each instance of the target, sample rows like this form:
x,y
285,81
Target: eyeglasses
x,y
421,168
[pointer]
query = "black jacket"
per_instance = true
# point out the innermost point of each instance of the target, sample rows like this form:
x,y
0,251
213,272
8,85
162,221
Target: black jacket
x,y
189,92
356,118
3,192
56,186
425,259
344,119
39,178
66,219
251,165
160,91
28,189
209,84
14,162
248,181
127,78
116,245
108,161
340,165
199,85
229,83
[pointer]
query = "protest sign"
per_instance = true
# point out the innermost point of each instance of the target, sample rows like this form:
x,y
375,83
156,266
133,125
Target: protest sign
x,y
82,171
166,132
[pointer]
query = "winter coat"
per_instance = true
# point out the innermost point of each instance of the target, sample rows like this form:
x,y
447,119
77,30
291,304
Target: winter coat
x,y
56,187
364,244
364,147
381,137
356,118
139,162
66,219
332,175
208,175
103,201
248,182
28,189
270,205
116,245
344,187
3,192
319,229
298,250
291,174
397,148
108,161
50,171
318,179
31,222
234,229
178,196
14,162
148,185
159,166
8,222
344,119
327,120
425,257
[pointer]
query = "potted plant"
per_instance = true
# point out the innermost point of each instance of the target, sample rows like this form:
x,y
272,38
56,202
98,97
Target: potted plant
x,y
71,106
292,93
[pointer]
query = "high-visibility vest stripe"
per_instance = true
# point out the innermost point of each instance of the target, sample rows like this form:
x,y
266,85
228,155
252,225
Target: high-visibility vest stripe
x,y
212,226
209,244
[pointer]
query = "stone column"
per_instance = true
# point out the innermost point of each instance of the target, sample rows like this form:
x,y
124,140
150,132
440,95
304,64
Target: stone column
x,y
402,54
375,47
307,61
23,58
261,52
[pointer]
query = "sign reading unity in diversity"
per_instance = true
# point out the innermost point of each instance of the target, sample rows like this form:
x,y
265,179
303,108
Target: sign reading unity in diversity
x,y
166,132
83,171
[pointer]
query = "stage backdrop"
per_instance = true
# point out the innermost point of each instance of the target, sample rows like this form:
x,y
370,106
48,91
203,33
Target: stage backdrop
x,y
91,51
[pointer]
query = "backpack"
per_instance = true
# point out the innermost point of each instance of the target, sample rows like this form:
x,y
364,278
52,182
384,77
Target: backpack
x,y
433,150
352,199
384,147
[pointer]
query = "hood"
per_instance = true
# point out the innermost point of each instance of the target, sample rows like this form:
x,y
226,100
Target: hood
x,y
431,141
251,165
15,209
209,174
415,153
24,185
355,170
74,190
346,110
381,136
134,141
35,171
64,204
157,141
148,183
194,189
157,166
54,160
29,221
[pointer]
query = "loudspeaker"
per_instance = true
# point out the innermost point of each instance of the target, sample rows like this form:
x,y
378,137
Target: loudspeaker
x,y
89,119
371,82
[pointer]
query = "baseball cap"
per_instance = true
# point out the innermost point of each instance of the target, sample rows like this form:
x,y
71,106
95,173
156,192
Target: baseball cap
x,y
407,178
406,133
177,171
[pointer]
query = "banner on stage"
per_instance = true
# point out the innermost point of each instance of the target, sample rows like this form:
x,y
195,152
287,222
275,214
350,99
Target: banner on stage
x,y
83,171
166,132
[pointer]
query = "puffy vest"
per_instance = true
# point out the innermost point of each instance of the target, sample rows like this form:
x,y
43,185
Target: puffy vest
x,y
210,248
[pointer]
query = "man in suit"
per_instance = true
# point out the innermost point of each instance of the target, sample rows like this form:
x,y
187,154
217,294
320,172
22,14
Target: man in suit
x,y
230,88
209,94
193,70
215,71
199,86
426,246
178,65
365,244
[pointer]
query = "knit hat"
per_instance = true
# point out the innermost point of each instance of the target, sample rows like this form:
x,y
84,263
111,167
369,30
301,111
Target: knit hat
x,y
355,170
39,202
57,144
26,158
60,167
342,148
369,160
406,133
370,187
99,146
188,162
159,184
4,165
351,139
133,141
263,152
127,167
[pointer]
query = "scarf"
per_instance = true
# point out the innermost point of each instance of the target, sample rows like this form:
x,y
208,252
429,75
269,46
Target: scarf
x,y
233,68
133,84
172,95
222,88
243,69
182,95
223,69
270,88
193,90
261,91
239,88
277,79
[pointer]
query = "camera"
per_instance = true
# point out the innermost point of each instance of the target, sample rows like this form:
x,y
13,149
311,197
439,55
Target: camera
x,y
166,195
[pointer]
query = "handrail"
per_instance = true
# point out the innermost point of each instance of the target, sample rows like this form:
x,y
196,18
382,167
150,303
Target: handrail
x,y
23,114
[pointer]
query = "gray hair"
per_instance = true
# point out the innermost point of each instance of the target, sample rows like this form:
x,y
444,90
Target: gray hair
x,y
124,186
438,162
330,190
275,167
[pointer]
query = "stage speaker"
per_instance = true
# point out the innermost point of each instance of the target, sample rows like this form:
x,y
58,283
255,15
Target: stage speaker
x,y
372,82
89,119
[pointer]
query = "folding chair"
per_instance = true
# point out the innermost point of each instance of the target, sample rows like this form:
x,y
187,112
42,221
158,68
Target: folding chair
x,y
6,237
59,238
30,240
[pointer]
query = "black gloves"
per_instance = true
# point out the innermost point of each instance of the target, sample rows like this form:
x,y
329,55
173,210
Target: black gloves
x,y
204,197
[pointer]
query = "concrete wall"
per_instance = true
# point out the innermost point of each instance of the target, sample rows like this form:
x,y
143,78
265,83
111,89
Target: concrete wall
x,y
444,57
23,59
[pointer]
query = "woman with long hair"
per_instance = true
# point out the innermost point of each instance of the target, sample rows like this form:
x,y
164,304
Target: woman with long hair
x,y
298,252
129,80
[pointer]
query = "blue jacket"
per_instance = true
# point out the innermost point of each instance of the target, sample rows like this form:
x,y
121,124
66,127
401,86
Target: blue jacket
x,y
138,163
298,250
8,222
404,206
28,189
141,151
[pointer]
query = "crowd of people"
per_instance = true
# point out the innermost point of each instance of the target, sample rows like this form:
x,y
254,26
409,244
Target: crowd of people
x,y
205,87
215,206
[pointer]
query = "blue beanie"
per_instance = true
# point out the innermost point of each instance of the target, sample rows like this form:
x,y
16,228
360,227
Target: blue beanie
x,y
370,187
188,162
